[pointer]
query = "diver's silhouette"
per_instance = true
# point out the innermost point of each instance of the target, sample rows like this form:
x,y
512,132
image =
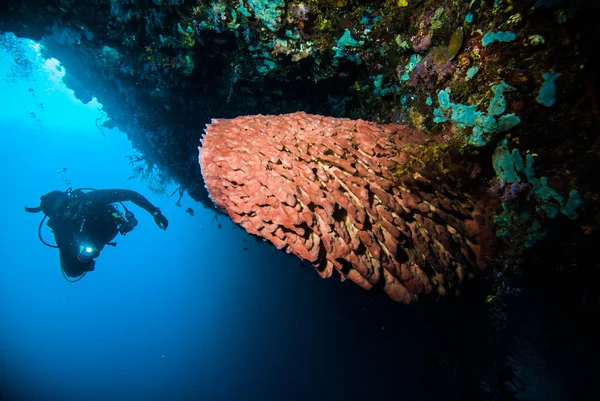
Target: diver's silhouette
x,y
84,222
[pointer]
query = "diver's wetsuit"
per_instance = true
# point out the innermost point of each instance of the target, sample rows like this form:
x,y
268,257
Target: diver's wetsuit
x,y
90,219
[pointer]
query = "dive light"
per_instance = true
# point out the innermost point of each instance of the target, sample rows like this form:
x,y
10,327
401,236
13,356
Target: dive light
x,y
87,253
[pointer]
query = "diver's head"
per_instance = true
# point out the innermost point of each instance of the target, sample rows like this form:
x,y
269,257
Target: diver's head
x,y
50,203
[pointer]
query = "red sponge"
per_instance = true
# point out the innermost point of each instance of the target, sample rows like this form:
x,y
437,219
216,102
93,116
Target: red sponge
x,y
329,191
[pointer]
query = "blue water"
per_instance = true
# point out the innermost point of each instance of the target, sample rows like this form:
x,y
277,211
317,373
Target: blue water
x,y
181,314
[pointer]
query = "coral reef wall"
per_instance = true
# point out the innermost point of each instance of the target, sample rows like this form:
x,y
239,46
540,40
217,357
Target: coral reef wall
x,y
509,84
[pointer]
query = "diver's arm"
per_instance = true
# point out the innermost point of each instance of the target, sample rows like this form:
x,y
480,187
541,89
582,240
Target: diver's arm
x,y
105,196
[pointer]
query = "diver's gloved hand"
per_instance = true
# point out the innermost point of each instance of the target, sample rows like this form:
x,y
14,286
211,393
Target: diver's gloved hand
x,y
160,220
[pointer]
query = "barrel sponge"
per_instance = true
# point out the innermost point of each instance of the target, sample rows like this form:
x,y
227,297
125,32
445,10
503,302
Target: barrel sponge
x,y
350,197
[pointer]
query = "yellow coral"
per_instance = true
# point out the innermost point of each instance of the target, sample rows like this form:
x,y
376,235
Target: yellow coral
x,y
455,43
187,40
417,119
324,24
402,3
428,156
464,60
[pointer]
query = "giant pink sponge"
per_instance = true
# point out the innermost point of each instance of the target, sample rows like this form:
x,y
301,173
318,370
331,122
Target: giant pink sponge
x,y
351,197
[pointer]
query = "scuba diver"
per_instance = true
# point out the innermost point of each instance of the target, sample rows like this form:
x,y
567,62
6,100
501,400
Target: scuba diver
x,y
84,222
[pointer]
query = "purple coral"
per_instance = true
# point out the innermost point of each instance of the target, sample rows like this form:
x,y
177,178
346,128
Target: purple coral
x,y
299,11
427,68
512,191
421,43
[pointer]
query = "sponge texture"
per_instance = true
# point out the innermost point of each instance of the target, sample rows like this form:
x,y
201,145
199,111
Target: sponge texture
x,y
330,191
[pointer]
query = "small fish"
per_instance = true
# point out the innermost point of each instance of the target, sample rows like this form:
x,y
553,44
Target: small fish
x,y
245,249
219,225
190,211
